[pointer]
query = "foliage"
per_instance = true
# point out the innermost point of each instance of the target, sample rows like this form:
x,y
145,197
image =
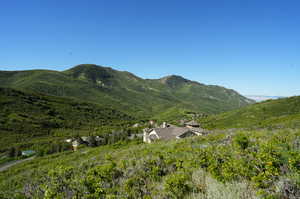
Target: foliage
x,y
176,185
242,141
30,116
261,161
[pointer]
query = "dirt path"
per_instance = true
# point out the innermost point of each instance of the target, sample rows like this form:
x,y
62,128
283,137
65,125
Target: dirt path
x,y
10,164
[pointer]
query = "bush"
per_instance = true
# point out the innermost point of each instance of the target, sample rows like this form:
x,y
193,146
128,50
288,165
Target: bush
x,y
103,180
242,141
135,187
176,185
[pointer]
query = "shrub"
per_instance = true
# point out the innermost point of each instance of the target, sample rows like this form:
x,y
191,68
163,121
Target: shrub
x,y
242,141
176,185
102,180
135,187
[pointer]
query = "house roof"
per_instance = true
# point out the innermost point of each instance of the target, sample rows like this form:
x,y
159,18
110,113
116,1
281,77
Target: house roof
x,y
198,130
170,132
192,123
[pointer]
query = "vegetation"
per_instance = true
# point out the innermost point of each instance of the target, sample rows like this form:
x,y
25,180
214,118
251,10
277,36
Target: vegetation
x,y
125,91
29,119
279,113
251,152
258,163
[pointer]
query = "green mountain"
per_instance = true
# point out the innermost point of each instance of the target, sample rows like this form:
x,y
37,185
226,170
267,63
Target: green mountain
x,y
28,116
124,91
272,113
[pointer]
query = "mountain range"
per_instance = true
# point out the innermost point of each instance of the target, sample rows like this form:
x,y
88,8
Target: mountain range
x,y
125,91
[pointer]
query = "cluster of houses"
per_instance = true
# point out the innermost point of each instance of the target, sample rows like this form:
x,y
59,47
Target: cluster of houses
x,y
170,132
164,132
87,140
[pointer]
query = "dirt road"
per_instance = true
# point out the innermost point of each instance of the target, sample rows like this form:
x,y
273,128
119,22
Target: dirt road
x,y
10,164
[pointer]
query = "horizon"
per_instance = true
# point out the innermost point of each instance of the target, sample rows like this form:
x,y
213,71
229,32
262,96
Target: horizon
x,y
250,47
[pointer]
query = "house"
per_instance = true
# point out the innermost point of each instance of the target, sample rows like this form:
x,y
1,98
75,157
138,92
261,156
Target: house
x,y
84,138
75,145
28,153
168,133
136,125
192,124
151,122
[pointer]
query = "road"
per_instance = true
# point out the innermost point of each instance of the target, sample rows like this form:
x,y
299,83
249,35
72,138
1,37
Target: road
x,y
13,163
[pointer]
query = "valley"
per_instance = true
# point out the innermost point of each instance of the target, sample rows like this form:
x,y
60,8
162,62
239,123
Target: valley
x,y
90,130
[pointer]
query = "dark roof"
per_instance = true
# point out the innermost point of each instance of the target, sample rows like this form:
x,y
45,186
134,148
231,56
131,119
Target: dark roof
x,y
170,132
192,123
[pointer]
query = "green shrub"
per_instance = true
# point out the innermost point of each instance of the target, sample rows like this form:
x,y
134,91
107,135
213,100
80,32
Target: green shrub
x,y
176,185
103,180
242,141
135,187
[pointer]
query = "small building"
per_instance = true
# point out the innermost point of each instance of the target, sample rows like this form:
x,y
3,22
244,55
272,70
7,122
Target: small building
x,y
84,138
28,153
75,145
136,125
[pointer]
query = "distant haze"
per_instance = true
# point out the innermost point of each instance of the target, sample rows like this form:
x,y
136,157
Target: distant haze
x,y
260,98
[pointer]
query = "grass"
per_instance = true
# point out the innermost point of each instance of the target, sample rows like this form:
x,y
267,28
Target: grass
x,y
269,114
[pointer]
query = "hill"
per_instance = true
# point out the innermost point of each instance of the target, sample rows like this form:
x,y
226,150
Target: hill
x,y
124,91
272,113
28,116
249,164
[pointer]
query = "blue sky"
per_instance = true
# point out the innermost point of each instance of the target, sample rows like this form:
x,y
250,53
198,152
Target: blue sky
x,y
252,46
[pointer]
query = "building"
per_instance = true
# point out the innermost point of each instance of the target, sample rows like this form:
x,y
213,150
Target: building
x,y
28,153
169,133
75,145
192,124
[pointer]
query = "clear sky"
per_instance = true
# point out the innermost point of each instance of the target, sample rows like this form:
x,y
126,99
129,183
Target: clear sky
x,y
252,46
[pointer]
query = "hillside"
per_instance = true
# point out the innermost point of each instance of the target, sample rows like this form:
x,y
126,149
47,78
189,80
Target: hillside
x,y
272,113
125,91
28,116
251,164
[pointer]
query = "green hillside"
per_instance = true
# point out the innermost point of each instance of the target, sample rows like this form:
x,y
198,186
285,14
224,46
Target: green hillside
x,y
125,91
90,100
29,116
272,113
247,165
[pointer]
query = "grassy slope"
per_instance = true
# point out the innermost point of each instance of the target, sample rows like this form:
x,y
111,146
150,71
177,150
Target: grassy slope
x,y
124,91
161,170
25,116
272,113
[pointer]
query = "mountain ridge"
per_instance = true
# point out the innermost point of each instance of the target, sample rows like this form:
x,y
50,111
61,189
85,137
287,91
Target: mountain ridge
x,y
125,91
